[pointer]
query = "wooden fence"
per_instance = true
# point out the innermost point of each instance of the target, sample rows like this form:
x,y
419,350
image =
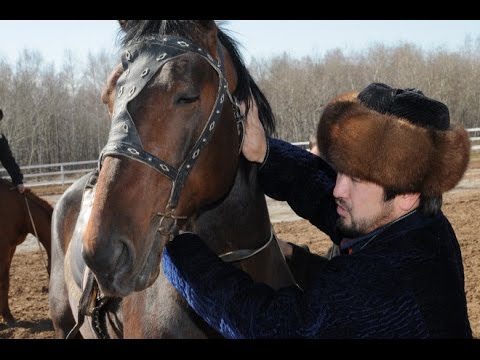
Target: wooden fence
x,y
67,173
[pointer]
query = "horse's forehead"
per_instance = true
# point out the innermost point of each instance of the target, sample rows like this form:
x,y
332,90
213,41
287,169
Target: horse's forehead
x,y
176,57
182,71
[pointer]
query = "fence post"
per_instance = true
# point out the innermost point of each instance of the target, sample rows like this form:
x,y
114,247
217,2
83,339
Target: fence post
x,y
62,175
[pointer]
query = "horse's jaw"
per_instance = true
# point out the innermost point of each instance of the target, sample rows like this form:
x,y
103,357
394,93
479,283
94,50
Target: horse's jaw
x,y
134,271
151,268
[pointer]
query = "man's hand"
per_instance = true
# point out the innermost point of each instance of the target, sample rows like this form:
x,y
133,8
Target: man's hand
x,y
21,188
255,142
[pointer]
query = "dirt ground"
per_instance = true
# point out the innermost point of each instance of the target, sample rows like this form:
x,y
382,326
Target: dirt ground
x,y
29,279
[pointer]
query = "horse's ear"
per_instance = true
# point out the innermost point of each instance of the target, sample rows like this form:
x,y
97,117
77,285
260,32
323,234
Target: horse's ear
x,y
211,36
108,92
208,24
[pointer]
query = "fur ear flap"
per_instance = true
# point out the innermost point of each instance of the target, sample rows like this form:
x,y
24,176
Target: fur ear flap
x,y
329,115
336,109
450,162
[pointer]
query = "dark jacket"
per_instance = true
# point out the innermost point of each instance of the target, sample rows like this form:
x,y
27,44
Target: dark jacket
x,y
405,280
8,161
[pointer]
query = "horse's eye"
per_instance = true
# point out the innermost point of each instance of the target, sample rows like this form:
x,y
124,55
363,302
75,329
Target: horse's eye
x,y
187,99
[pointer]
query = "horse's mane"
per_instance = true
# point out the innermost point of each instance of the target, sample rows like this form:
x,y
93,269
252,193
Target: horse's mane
x,y
31,195
137,30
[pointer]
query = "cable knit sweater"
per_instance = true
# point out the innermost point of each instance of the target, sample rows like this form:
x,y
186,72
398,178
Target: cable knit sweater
x,y
405,281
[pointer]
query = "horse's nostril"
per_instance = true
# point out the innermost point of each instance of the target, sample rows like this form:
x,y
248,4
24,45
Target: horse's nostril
x,y
110,257
125,259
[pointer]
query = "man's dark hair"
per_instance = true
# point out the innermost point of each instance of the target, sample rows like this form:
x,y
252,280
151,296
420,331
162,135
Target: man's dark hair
x,y
429,205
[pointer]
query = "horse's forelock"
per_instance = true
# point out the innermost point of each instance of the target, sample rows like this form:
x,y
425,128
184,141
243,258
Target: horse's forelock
x,y
137,30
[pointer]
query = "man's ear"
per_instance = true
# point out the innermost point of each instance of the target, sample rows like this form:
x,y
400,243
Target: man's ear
x,y
408,202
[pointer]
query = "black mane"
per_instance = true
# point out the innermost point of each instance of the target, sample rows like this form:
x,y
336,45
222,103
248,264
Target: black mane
x,y
137,30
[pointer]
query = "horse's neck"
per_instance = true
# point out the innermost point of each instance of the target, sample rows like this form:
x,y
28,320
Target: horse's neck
x,y
41,225
241,221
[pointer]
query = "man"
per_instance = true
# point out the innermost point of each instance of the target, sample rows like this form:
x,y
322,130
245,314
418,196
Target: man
x,y
389,155
8,161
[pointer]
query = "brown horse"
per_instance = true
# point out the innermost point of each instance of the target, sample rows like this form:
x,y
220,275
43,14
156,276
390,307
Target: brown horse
x,y
15,225
172,162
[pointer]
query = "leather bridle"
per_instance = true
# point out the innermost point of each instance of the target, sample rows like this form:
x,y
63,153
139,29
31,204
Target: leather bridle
x,y
141,61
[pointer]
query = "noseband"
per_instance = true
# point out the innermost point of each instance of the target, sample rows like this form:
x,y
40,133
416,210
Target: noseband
x,y
141,62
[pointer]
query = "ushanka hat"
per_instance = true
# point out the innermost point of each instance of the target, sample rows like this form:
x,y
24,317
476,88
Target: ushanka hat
x,y
397,138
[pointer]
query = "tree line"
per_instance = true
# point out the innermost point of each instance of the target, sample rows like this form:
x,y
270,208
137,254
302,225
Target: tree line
x,y
298,90
55,115
51,115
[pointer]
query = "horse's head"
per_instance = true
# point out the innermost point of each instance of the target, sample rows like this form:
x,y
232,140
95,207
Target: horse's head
x,y
172,149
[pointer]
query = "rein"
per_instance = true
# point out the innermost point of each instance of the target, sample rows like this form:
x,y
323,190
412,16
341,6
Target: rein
x,y
243,254
35,231
91,303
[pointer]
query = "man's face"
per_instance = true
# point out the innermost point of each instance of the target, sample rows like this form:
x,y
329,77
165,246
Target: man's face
x,y
360,206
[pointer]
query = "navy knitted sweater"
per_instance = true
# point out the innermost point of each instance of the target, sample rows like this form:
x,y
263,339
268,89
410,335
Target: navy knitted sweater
x,y
406,281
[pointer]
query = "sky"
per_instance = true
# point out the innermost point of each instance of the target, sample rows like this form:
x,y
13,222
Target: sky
x,y
259,38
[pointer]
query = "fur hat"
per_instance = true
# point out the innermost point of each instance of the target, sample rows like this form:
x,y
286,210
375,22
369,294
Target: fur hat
x,y
397,138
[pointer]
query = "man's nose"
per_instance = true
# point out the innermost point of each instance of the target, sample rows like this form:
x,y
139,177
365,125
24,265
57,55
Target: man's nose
x,y
341,186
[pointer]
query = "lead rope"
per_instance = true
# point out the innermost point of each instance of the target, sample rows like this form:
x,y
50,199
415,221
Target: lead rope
x,y
36,234
242,254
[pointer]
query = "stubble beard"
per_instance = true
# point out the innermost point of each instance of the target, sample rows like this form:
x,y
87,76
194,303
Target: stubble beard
x,y
361,226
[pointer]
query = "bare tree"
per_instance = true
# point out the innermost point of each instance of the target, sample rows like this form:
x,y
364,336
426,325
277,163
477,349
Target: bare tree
x,y
56,115
298,89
